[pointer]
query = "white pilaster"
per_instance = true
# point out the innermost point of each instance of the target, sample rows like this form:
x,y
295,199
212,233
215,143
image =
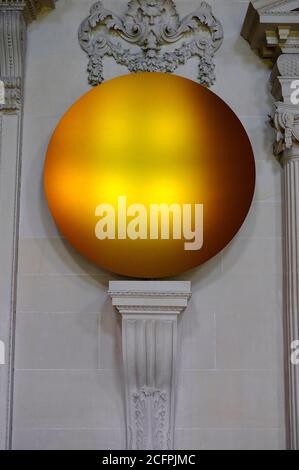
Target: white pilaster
x,y
150,312
12,50
272,27
286,148
14,14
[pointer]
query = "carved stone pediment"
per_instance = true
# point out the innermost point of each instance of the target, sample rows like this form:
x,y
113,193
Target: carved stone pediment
x,y
138,38
272,27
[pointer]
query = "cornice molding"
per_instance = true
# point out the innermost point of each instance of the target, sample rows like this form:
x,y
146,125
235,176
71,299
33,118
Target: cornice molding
x,y
272,27
168,297
150,25
30,8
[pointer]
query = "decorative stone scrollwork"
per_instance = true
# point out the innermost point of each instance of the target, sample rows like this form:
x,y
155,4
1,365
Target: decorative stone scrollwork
x,y
286,123
150,25
150,409
12,48
12,94
286,115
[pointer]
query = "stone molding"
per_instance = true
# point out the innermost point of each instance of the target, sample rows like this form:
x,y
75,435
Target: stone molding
x,y
29,8
150,25
272,27
149,312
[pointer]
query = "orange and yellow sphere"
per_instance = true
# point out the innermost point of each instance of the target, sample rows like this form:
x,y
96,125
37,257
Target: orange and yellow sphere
x,y
148,139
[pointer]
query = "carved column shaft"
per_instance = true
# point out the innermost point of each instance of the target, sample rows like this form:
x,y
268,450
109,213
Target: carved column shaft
x,y
286,148
291,260
272,28
149,338
12,50
14,14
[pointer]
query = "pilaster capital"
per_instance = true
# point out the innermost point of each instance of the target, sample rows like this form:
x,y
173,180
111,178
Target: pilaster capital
x,y
12,50
285,71
150,297
272,28
285,80
286,123
14,15
29,8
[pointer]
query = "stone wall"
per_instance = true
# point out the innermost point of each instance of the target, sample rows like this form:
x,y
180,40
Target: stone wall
x,y
68,380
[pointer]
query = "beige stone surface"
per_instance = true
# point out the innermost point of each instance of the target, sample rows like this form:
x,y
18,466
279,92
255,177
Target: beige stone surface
x,y
231,375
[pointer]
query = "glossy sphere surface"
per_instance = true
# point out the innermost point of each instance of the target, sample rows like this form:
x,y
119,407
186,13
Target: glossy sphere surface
x,y
155,139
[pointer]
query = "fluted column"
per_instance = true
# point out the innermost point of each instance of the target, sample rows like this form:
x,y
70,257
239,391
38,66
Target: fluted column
x,y
286,148
12,52
272,28
14,15
149,312
291,247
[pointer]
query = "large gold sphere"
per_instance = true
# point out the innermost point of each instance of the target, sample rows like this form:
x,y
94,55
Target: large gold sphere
x,y
149,138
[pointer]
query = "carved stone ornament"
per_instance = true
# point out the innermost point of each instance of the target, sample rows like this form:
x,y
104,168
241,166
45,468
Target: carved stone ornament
x,y
285,119
150,25
12,94
29,8
286,123
151,407
272,27
150,311
12,47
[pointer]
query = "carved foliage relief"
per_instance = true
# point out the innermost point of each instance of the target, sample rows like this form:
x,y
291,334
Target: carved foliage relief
x,y
137,39
150,418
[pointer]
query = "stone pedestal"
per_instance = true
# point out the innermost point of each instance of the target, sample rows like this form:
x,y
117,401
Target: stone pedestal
x,y
150,312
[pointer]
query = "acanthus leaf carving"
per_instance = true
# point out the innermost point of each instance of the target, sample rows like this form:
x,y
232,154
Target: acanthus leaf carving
x,y
285,121
150,409
12,94
150,25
